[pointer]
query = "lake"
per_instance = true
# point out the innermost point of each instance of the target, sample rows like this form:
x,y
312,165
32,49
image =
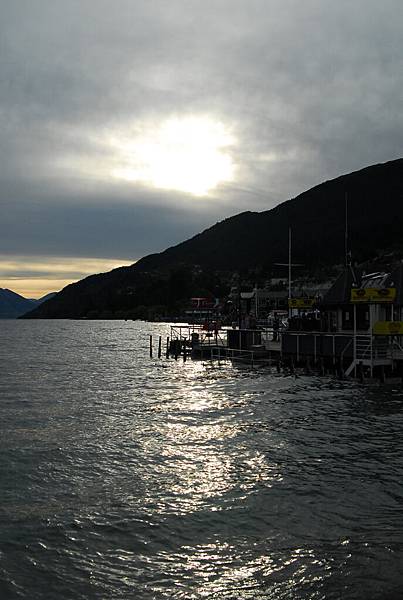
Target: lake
x,y
128,477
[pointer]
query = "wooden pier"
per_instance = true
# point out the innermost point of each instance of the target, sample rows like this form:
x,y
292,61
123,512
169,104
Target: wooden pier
x,y
364,357
252,346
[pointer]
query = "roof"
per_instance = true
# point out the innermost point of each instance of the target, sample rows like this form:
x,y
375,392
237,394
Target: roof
x,y
395,279
340,292
374,280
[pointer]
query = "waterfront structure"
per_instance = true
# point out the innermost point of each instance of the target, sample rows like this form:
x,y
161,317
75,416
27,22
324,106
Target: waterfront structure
x,y
358,329
203,309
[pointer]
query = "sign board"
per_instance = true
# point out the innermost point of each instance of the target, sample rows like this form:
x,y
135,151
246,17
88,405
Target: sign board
x,y
388,328
373,294
301,302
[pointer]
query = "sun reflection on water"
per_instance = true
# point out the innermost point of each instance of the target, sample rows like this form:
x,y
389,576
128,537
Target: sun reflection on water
x,y
158,479
244,570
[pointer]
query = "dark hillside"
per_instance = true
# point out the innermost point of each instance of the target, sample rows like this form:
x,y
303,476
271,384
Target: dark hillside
x,y
317,218
251,241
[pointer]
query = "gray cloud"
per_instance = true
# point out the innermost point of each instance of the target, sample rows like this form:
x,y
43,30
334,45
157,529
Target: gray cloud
x,y
310,90
36,220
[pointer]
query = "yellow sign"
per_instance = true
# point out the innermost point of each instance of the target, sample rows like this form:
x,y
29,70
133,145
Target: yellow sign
x,y
301,302
388,328
373,294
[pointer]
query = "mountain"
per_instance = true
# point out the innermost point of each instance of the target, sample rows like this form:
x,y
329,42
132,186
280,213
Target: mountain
x,y
317,218
12,305
46,297
251,243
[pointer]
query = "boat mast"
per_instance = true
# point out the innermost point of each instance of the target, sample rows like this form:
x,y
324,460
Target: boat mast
x,y
346,252
289,271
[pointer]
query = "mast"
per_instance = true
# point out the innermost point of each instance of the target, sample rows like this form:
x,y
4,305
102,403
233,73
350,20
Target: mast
x,y
289,271
346,252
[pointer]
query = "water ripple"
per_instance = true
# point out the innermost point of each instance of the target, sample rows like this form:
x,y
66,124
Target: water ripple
x,y
124,477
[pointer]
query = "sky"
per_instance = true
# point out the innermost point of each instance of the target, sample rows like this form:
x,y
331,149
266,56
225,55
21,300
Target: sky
x,y
128,126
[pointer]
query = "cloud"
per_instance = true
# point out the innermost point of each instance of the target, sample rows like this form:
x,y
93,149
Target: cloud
x,y
35,276
117,225
308,90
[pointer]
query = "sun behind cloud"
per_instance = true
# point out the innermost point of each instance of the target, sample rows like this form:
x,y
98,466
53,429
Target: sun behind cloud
x,y
186,154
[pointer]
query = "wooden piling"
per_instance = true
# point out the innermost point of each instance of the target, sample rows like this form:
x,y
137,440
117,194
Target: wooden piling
x,y
151,346
159,346
167,349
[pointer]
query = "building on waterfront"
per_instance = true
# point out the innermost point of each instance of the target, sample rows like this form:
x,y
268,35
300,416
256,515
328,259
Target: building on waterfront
x,y
359,326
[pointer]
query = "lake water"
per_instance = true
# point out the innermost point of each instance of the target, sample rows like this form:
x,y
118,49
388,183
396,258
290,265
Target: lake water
x,y
129,477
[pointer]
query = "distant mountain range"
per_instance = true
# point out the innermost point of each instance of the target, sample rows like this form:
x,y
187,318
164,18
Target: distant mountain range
x,y
250,244
12,305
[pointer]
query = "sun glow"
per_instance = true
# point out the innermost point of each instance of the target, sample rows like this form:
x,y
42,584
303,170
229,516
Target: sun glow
x,y
35,276
188,155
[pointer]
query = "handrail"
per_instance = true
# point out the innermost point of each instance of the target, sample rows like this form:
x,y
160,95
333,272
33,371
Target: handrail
x,y
363,345
345,348
321,333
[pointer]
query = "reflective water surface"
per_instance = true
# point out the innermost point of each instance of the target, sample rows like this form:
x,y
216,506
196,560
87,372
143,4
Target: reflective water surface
x,y
128,477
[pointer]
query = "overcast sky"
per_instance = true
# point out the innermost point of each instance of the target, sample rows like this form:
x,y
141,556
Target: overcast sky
x,y
130,125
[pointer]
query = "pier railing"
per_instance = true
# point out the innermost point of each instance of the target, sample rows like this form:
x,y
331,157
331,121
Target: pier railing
x,y
397,347
219,337
199,334
252,347
250,358
317,344
349,350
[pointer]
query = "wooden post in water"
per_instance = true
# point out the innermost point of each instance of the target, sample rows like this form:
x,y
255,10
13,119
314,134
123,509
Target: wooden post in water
x,y
151,346
167,350
159,346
